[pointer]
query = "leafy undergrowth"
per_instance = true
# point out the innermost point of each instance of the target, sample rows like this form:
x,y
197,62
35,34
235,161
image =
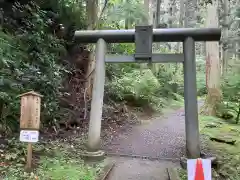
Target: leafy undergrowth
x,y
51,161
173,105
228,155
182,174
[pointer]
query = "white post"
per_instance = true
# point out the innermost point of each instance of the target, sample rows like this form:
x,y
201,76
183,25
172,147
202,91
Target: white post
x,y
97,98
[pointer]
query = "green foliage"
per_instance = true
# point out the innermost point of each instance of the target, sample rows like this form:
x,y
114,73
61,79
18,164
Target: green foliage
x,y
69,13
122,13
138,88
201,84
9,52
231,95
142,88
140,85
231,88
60,165
201,76
182,174
171,78
30,60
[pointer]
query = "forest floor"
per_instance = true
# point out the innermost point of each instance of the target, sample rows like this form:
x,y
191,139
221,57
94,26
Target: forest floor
x,y
226,152
147,150
160,139
54,156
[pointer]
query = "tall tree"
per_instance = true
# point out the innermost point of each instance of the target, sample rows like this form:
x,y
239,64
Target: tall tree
x,y
181,20
147,11
237,43
157,14
190,19
127,22
92,12
225,26
171,7
213,71
92,16
126,11
156,23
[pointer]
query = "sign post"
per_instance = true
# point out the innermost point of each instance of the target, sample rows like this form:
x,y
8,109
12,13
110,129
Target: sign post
x,y
30,122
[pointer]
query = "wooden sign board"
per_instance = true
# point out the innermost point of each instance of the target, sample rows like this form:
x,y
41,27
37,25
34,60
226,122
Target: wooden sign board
x,y
30,111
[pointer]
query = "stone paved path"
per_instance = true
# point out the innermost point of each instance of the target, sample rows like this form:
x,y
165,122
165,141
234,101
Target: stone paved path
x,y
139,169
163,137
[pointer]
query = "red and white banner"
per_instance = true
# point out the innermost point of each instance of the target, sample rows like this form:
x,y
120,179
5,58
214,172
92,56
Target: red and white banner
x,y
199,169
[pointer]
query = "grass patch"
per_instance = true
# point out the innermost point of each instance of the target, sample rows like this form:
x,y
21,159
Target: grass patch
x,y
61,165
173,105
176,104
182,174
65,167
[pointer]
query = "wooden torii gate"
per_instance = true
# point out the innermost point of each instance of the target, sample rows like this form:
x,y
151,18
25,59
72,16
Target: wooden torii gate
x,y
144,36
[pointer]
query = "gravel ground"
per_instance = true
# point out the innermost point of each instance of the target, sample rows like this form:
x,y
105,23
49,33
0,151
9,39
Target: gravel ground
x,y
162,137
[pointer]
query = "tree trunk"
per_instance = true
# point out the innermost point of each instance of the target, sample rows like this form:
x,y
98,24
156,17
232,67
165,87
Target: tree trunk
x,y
181,18
225,36
151,7
238,114
171,6
213,71
146,6
158,10
91,10
166,4
127,20
156,46
190,13
238,50
167,11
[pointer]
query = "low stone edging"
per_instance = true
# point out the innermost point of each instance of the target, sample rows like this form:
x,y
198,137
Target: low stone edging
x,y
106,171
172,174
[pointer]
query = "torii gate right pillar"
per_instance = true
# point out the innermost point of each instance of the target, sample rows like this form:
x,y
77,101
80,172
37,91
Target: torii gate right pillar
x,y
190,99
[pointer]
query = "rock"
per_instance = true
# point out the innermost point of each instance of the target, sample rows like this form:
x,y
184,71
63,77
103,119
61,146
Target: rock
x,y
3,143
183,162
234,130
212,125
227,140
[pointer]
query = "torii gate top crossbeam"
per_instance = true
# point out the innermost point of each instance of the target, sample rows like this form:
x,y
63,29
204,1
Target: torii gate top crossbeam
x,y
159,35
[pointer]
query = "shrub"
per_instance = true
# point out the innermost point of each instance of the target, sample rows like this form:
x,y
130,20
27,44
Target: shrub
x,y
231,96
137,88
29,60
